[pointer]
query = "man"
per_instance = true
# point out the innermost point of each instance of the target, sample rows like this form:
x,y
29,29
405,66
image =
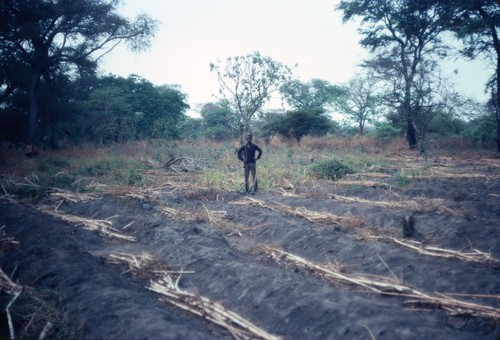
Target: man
x,y
246,154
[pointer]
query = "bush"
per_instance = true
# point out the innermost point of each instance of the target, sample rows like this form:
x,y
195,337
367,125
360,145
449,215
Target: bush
x,y
330,169
385,132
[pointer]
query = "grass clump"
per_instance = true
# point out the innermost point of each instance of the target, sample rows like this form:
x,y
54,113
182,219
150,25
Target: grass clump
x,y
31,312
332,169
402,178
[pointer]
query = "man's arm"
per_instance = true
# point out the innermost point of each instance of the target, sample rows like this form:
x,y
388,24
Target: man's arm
x,y
240,151
259,150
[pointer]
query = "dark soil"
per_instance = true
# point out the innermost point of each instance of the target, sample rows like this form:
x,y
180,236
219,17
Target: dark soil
x,y
104,300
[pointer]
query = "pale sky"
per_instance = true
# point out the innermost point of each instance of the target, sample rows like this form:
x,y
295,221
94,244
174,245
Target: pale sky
x,y
310,33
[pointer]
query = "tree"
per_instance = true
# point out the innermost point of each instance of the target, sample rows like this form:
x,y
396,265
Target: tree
x,y
298,123
359,101
477,24
404,34
247,82
118,109
62,36
314,94
219,122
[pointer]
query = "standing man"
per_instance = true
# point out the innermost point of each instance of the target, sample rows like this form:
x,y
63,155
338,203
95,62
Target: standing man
x,y
246,154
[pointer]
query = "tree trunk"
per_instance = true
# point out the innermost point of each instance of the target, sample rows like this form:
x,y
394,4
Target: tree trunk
x,y
241,133
411,133
33,108
496,101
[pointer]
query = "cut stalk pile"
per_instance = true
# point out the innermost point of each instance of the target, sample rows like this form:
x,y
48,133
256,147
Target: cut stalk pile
x,y
168,287
387,286
103,226
474,255
310,215
7,285
429,204
238,326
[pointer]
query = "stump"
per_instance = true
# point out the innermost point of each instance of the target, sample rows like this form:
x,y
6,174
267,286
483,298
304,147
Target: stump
x,y
408,224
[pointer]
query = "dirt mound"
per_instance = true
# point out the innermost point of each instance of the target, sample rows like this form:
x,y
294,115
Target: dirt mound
x,y
226,248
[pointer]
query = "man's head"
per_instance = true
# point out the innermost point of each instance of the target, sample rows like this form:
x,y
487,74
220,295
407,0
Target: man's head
x,y
249,137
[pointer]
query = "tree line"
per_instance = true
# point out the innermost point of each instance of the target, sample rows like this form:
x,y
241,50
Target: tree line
x,y
50,90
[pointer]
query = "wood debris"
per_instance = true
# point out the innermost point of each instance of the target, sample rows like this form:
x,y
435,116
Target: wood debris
x,y
238,326
387,286
428,204
310,215
363,183
475,255
7,285
102,226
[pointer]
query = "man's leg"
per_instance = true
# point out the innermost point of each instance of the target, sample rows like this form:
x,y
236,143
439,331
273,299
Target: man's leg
x,y
247,172
254,178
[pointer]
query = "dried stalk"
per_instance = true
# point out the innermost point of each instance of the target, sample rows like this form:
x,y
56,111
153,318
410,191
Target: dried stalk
x,y
168,288
46,330
73,197
7,285
435,204
363,183
103,226
134,261
311,216
387,286
238,326
475,255
9,318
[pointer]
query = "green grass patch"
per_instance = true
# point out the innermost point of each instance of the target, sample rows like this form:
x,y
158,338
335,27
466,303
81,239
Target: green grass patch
x,y
332,169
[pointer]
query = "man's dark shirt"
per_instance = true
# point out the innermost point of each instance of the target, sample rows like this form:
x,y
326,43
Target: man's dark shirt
x,y
247,153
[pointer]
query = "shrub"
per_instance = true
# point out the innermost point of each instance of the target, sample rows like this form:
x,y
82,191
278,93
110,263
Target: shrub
x,y
330,169
385,132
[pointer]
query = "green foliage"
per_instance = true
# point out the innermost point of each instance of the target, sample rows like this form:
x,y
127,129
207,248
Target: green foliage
x,y
402,178
298,123
446,125
115,109
330,169
384,132
191,128
482,129
314,94
405,39
358,101
247,83
52,164
60,38
219,121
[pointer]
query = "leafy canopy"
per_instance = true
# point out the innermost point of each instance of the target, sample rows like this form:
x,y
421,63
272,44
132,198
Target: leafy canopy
x,y
247,83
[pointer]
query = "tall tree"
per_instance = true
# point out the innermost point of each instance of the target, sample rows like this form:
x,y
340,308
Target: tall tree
x,y
403,34
247,82
298,123
477,24
316,93
51,36
118,109
359,101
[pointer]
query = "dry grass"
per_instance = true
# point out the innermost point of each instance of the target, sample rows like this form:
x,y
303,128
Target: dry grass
x,y
7,285
428,204
388,286
310,215
474,256
102,226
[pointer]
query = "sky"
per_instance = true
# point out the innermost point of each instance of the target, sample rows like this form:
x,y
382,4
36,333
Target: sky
x,y
309,33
